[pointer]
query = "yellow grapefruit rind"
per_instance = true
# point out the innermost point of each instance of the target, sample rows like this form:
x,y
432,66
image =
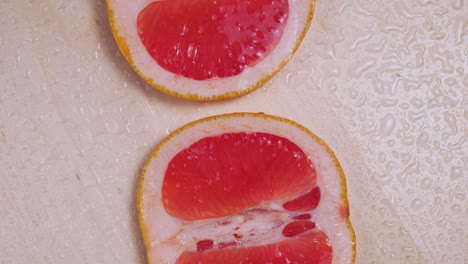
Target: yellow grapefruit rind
x,y
125,50
154,154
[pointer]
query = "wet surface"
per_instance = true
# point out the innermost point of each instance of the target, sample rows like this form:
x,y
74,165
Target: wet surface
x,y
383,83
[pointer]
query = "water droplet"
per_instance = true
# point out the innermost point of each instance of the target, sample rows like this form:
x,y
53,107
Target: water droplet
x,y
438,190
417,103
387,124
455,173
456,209
363,66
444,259
382,157
426,183
422,140
416,204
457,4
460,196
450,81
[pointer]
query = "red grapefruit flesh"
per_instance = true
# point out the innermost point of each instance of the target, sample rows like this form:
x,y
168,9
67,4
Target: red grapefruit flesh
x,y
208,50
244,188
295,228
236,34
306,202
221,175
311,248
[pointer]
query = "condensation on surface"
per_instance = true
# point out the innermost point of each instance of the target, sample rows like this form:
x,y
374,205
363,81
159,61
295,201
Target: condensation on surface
x,y
401,95
384,83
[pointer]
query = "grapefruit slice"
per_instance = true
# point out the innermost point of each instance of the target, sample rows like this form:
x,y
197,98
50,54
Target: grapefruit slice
x,y
208,50
244,188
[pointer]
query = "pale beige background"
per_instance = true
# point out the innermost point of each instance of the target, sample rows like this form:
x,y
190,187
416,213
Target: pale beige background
x,y
383,82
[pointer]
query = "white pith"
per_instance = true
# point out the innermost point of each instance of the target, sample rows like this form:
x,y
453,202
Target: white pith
x,y
167,237
257,227
125,17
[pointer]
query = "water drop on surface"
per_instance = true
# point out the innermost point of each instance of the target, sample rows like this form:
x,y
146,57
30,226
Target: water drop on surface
x,y
455,173
456,209
387,124
438,190
460,196
416,204
426,183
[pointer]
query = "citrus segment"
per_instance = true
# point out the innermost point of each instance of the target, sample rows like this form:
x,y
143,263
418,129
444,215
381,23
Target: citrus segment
x,y
302,217
204,244
306,202
204,39
244,188
224,174
297,227
208,50
310,248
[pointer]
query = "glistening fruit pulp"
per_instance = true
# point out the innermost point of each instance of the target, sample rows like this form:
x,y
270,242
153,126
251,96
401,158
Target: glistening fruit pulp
x,y
205,39
247,197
